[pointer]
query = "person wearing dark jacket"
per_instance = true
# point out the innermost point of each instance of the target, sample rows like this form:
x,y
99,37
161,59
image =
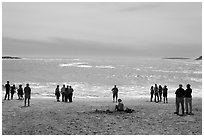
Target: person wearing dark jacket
x,y
7,86
180,93
165,89
188,99
57,93
70,93
27,93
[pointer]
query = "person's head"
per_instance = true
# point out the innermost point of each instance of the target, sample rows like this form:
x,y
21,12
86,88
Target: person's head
x,y
57,86
152,87
70,86
180,86
67,86
27,85
160,86
7,82
20,86
63,85
188,85
115,86
165,86
155,85
119,100
13,85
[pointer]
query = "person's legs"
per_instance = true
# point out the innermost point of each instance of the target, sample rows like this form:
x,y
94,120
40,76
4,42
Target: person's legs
x,y
11,96
182,105
113,97
190,104
186,105
177,106
25,101
28,101
5,96
116,98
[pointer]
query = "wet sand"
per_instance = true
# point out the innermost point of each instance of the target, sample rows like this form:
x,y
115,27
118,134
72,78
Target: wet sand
x,y
45,116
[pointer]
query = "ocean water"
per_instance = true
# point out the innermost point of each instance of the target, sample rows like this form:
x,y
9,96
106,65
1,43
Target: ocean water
x,y
95,77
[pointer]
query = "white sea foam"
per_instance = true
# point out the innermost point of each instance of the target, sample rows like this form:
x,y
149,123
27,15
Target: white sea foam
x,y
105,67
76,64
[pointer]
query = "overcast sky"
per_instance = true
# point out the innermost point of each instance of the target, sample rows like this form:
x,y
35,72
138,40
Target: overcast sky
x,y
118,29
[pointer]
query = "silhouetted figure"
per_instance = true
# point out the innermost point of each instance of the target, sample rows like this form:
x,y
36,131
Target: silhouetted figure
x,y
27,94
120,106
156,93
188,99
70,93
66,94
63,92
57,93
165,89
115,93
13,90
160,93
180,93
20,92
151,93
7,86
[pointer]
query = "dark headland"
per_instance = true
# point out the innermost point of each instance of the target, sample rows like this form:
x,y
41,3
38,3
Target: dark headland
x,y
10,57
199,58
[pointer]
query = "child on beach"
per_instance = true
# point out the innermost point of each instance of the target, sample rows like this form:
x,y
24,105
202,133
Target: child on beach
x,y
120,106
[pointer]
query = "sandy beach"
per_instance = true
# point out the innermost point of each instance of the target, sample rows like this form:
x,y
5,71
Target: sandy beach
x,y
45,116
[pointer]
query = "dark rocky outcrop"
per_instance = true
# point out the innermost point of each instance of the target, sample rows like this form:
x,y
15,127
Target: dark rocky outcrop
x,y
10,57
199,58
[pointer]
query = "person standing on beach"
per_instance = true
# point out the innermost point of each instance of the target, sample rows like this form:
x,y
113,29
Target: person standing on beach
x,y
151,93
160,93
27,93
63,92
70,92
188,99
57,93
20,92
7,86
13,90
165,89
115,93
180,93
66,93
156,93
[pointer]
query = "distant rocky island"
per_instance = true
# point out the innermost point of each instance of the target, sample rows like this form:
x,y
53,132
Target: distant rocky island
x,y
199,58
10,57
176,58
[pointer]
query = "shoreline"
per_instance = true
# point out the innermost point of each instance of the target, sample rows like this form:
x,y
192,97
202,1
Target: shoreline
x,y
45,116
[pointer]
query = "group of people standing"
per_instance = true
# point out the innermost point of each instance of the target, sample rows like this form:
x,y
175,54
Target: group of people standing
x,y
157,93
184,96
12,89
66,92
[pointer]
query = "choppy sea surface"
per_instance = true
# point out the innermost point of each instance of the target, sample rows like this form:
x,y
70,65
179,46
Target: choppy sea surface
x,y
95,77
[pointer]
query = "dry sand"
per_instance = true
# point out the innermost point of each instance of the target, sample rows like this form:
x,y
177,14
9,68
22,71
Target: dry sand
x,y
45,116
